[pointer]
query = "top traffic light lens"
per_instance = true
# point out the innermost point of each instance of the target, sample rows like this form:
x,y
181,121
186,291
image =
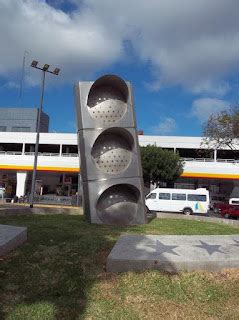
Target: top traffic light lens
x,y
107,101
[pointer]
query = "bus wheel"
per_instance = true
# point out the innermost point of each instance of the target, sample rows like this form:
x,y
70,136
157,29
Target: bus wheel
x,y
187,211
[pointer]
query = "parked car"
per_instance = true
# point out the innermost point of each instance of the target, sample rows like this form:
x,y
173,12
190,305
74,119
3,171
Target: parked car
x,y
217,200
220,206
232,212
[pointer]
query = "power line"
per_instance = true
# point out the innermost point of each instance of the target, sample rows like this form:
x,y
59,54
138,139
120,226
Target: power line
x,y
22,78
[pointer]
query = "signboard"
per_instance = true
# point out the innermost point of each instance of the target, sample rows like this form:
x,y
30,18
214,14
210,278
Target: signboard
x,y
67,180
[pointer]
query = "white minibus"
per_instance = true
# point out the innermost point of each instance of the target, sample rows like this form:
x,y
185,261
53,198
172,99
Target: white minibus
x,y
178,200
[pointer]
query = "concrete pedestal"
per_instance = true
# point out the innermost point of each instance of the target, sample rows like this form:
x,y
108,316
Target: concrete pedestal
x,y
11,237
174,253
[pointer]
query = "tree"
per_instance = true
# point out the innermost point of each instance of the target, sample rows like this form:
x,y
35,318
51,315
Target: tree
x,y
160,165
222,129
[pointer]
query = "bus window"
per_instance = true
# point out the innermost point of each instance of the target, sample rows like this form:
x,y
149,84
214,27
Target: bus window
x,y
164,196
179,196
197,197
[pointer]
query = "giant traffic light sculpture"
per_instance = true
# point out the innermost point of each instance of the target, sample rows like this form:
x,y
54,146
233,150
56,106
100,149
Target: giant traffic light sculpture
x,y
109,152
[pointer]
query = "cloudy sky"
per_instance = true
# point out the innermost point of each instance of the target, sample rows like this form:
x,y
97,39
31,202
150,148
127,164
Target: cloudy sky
x,y
182,57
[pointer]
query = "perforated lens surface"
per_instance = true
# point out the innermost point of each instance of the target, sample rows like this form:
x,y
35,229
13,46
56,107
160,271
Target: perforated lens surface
x,y
106,104
118,204
112,153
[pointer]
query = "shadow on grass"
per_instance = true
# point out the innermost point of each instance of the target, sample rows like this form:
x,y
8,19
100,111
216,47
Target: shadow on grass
x,y
51,276
151,216
54,271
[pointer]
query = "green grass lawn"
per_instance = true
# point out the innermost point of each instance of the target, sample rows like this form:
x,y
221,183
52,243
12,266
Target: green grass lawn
x,y
59,273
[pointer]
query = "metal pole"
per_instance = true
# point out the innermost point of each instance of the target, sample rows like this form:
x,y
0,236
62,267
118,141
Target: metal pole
x,y
37,143
79,191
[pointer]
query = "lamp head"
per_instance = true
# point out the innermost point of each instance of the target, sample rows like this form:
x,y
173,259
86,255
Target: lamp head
x,y
56,71
34,63
46,67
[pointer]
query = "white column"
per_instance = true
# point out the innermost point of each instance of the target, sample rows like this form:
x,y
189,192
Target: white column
x,y
60,150
21,184
215,155
23,148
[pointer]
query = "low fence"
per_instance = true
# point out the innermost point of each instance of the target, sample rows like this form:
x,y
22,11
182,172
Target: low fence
x,y
48,199
59,200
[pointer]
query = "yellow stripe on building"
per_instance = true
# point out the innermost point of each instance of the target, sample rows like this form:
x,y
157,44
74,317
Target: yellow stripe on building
x,y
67,169
209,175
39,168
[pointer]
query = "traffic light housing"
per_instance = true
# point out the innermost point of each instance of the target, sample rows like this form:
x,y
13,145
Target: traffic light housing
x,y
109,152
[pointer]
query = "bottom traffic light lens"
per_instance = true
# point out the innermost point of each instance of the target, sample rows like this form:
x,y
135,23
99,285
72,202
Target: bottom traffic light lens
x,y
118,204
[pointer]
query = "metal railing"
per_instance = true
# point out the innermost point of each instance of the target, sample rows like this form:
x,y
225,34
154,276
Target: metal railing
x,y
198,159
228,160
15,153
69,155
210,160
44,154
52,154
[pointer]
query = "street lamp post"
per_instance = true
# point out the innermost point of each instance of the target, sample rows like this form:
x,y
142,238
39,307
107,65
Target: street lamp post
x,y
44,70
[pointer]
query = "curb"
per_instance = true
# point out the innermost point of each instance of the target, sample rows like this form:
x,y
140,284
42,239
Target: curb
x,y
7,212
164,215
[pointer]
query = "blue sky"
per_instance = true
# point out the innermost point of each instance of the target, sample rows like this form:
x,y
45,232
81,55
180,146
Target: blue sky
x,y
182,57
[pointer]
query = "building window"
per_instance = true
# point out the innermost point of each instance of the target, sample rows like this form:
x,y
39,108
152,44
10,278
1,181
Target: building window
x,y
3,128
66,149
21,129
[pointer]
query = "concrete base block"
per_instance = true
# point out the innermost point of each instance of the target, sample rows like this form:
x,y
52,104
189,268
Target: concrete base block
x,y
11,237
174,253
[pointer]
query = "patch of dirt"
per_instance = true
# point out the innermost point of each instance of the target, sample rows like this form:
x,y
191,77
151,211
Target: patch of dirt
x,y
169,310
224,275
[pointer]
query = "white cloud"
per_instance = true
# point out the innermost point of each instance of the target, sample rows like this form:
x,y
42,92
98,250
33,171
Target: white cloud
x,y
215,88
78,43
194,44
203,108
190,43
152,86
10,85
165,126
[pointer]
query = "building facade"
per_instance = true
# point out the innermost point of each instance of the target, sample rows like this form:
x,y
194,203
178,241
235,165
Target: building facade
x,y
22,120
58,164
216,170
